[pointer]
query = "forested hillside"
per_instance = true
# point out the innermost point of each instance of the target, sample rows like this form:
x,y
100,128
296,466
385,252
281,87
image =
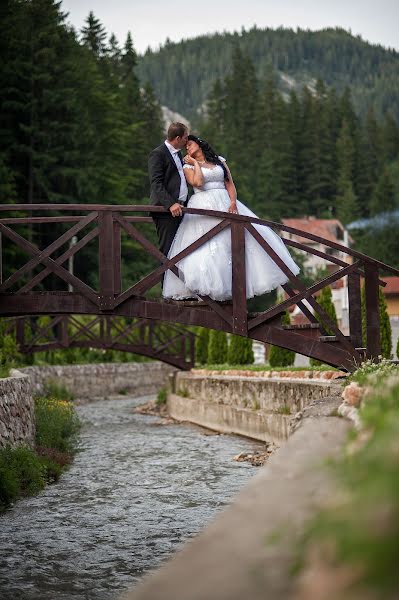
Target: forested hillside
x,y
183,73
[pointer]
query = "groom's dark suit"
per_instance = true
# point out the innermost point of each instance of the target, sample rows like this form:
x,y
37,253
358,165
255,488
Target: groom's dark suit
x,y
164,191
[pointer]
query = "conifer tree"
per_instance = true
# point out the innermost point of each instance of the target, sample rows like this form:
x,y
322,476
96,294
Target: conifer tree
x,y
346,202
217,348
240,351
201,346
384,197
281,357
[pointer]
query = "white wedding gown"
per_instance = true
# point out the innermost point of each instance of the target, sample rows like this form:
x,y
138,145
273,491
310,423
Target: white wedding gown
x,y
207,270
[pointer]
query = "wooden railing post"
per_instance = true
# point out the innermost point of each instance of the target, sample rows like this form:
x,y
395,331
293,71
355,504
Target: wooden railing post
x,y
372,311
239,285
355,310
117,259
106,260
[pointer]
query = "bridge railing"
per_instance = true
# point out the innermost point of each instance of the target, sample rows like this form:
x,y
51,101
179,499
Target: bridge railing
x,y
21,290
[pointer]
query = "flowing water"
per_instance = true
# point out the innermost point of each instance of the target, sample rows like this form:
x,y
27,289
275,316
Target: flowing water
x,y
134,494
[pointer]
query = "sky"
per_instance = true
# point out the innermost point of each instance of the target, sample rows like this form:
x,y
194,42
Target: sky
x,y
152,21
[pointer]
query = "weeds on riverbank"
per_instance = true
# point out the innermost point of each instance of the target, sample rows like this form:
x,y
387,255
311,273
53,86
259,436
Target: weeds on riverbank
x,y
25,471
353,546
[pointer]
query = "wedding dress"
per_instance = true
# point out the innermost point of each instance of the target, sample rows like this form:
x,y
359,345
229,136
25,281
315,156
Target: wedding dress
x,y
208,270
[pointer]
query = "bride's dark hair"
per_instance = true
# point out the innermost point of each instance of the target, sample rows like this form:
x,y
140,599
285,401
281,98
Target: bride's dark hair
x,y
209,153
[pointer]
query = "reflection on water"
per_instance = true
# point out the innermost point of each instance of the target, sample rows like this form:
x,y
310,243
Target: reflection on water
x,y
132,496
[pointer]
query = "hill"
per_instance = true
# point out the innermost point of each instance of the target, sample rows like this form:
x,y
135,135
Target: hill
x,y
182,74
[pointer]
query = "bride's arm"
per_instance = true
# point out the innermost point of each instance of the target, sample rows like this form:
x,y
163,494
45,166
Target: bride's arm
x,y
193,176
232,192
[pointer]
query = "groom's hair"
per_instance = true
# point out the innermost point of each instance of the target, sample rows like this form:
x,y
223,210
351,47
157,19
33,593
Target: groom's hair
x,y
176,129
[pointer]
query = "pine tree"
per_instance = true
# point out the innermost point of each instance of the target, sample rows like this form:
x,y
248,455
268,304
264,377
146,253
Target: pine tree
x,y
346,202
217,348
326,302
281,357
94,35
201,346
240,351
384,198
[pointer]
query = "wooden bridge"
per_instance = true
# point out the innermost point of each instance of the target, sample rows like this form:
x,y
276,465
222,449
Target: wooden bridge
x,y
170,343
38,282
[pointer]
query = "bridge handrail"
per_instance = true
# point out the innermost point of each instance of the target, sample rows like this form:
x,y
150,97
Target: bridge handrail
x,y
199,211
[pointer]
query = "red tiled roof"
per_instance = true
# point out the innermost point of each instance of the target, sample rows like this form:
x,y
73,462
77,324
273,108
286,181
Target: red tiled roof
x,y
392,286
325,228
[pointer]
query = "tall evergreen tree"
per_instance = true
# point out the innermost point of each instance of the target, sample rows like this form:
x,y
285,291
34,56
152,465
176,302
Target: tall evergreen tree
x,y
384,197
346,204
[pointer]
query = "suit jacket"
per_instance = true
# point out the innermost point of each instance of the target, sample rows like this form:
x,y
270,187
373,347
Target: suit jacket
x,y
164,177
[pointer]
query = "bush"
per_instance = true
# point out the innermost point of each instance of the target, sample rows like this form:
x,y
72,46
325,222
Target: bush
x,y
9,353
325,300
281,357
201,346
217,348
240,351
162,397
21,474
57,425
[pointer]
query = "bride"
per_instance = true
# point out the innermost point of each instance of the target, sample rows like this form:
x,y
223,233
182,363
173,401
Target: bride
x,y
207,270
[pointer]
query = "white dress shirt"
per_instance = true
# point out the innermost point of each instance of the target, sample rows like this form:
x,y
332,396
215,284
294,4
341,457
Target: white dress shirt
x,y
183,183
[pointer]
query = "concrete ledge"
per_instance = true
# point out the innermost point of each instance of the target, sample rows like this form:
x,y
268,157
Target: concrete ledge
x,y
247,552
256,424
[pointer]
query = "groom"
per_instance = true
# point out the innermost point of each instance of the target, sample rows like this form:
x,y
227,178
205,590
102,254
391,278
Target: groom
x,y
168,184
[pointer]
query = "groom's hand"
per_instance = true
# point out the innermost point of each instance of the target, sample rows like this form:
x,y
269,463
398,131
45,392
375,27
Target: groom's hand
x,y
176,210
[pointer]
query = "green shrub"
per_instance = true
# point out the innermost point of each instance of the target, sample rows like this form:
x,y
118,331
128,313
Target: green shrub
x,y
57,424
240,351
217,349
9,353
201,346
371,372
21,474
162,396
281,357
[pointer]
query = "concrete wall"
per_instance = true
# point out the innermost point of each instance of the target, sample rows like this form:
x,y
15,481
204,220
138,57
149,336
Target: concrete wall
x,y
17,415
88,382
250,406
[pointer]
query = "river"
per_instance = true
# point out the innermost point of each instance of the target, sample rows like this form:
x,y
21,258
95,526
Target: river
x,y
135,492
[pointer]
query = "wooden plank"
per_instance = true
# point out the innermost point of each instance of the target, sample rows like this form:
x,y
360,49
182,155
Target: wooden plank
x,y
60,260
40,255
117,258
304,294
53,266
106,259
373,335
355,309
304,309
40,220
239,284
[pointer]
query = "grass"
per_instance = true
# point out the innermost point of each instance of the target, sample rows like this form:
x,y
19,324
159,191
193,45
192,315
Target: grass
x,y
284,410
360,530
24,471
183,393
161,397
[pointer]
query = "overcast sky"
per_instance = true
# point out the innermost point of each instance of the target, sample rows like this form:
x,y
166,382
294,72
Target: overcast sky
x,y
152,21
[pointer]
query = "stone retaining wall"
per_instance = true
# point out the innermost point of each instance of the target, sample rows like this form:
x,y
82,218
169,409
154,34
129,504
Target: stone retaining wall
x,y
261,408
88,382
17,415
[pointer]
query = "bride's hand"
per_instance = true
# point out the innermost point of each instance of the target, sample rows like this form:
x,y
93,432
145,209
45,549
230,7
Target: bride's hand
x,y
189,160
233,208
